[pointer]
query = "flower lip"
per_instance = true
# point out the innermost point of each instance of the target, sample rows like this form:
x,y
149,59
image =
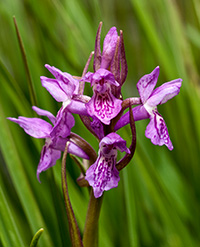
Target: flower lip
x,y
157,131
103,105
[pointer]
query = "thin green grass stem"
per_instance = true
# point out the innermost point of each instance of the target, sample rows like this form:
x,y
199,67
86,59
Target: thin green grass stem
x,y
30,83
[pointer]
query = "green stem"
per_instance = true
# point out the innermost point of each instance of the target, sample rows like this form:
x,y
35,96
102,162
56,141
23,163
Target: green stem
x,y
73,226
30,83
90,235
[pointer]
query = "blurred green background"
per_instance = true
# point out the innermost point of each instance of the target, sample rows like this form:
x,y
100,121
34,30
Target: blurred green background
x,y
157,202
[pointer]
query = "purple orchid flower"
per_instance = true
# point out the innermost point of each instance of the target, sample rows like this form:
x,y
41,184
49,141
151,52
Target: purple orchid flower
x,y
55,136
64,88
103,174
103,104
156,130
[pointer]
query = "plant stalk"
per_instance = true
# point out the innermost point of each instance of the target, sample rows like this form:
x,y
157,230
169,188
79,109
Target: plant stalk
x,y
90,235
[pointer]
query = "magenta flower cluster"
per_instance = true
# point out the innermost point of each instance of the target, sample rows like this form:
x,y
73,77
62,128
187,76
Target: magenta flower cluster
x,y
102,113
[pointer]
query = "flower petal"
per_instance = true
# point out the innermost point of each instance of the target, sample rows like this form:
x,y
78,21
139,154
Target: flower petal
x,y
52,86
42,112
139,113
147,83
48,158
97,50
124,66
63,87
59,143
34,127
102,175
114,140
77,107
164,93
65,121
157,131
106,75
104,105
100,74
97,126
66,81
76,150
54,71
109,45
